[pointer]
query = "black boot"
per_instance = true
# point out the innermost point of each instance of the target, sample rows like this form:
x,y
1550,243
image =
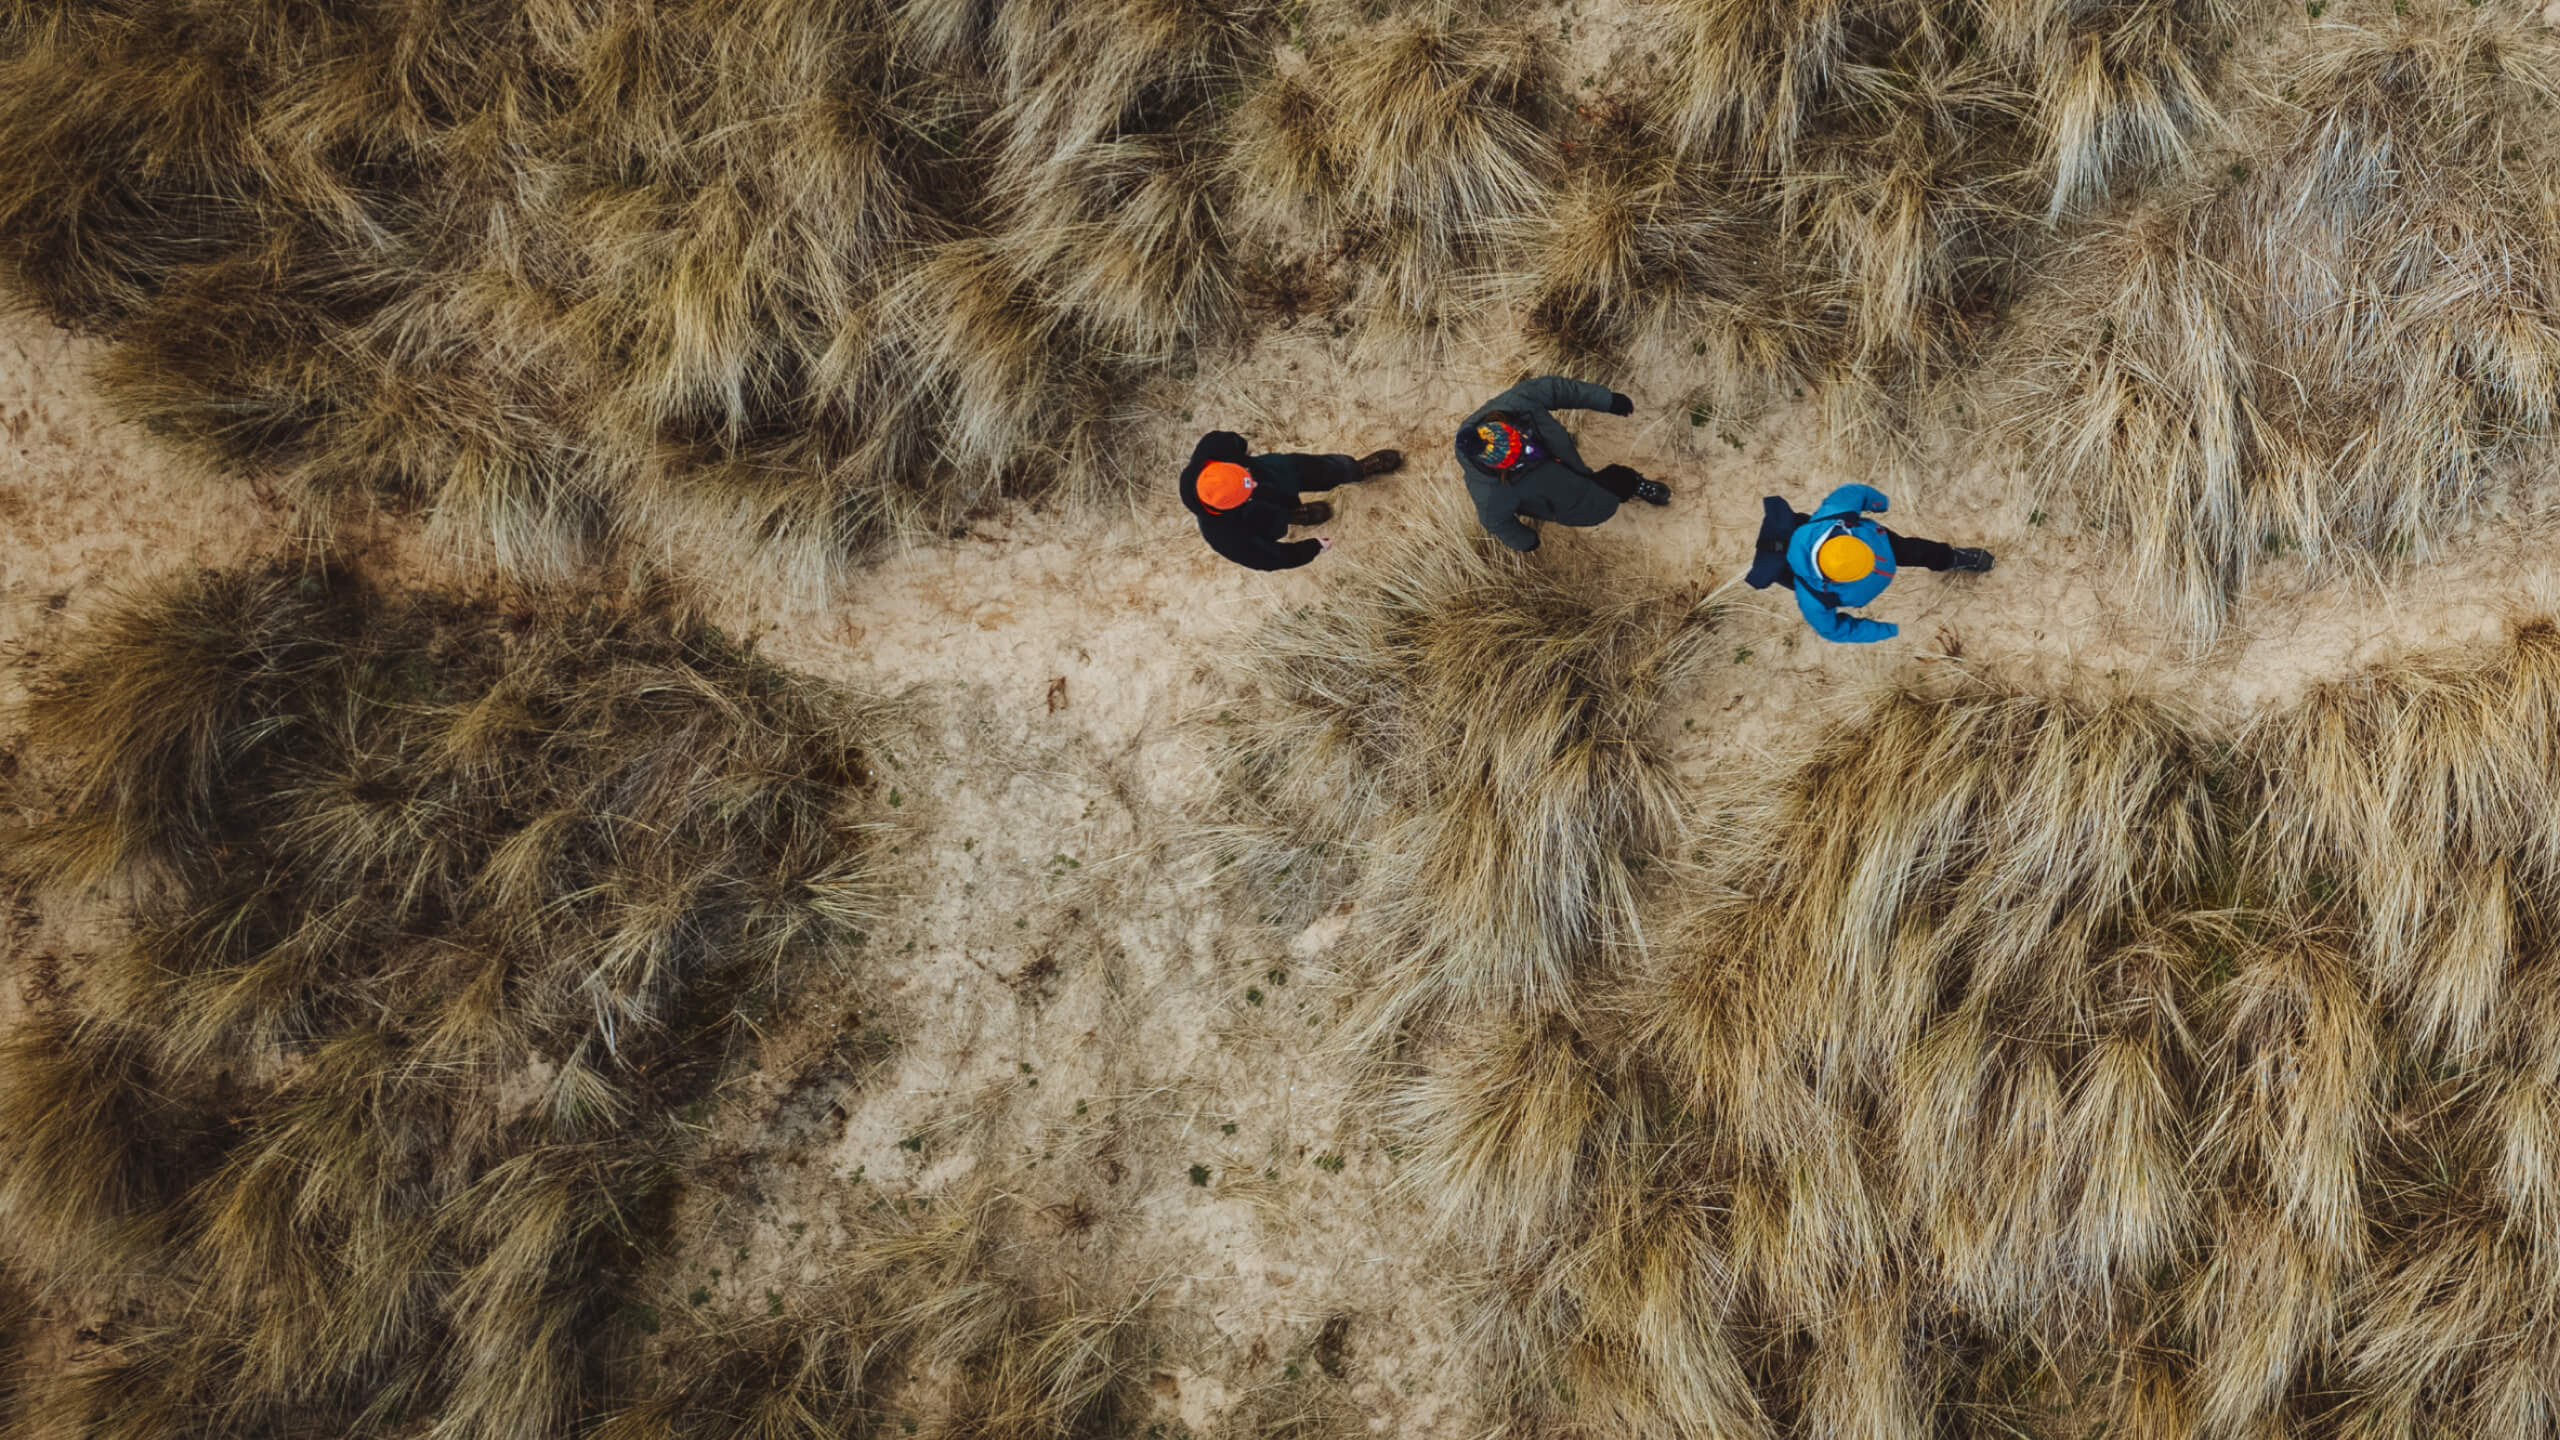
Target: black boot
x,y
1314,512
1653,492
1975,561
1381,462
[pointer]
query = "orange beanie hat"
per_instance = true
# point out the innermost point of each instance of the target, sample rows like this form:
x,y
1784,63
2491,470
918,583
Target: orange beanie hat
x,y
1224,485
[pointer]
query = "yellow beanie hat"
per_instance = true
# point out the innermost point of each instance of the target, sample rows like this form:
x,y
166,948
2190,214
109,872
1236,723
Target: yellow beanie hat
x,y
1844,558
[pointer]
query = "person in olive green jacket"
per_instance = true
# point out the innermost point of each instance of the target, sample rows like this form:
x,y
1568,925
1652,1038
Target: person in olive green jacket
x,y
1521,463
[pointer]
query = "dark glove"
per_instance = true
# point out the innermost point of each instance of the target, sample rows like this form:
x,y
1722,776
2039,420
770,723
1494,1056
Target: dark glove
x,y
1620,404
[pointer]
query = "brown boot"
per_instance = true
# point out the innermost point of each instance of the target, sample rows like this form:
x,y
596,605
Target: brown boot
x,y
1314,512
1381,462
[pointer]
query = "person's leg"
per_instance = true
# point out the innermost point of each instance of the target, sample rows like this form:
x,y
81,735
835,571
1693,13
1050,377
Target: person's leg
x,y
1627,483
1323,472
1283,497
1927,554
1618,480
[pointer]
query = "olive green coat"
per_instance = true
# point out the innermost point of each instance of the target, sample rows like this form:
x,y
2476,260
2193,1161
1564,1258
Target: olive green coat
x,y
1558,488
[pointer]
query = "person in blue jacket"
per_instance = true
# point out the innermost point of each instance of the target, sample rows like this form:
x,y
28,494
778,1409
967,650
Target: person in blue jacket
x,y
1838,560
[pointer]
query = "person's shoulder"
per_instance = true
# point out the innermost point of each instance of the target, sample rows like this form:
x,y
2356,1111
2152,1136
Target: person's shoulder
x,y
1219,445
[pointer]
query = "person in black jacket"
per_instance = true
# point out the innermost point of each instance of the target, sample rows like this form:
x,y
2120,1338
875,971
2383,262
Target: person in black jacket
x,y
1247,502
1521,463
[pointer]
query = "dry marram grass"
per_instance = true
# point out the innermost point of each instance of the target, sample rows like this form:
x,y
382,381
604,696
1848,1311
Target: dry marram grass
x,y
1907,155
432,910
2038,1060
2030,1058
923,1307
762,288
2329,349
1471,731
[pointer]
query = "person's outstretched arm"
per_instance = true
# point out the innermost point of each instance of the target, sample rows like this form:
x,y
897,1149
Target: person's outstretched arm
x,y
1507,526
1839,626
1556,392
1854,500
1255,553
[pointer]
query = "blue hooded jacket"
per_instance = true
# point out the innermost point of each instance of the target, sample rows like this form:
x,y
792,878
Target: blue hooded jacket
x,y
1842,512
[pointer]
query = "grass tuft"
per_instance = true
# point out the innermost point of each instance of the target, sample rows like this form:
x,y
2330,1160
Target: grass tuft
x,y
572,277
932,1294
2331,349
1909,154
2036,1058
1436,130
437,914
1456,719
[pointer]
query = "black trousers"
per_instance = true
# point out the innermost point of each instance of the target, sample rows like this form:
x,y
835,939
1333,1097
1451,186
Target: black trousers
x,y
1319,472
1618,480
1927,554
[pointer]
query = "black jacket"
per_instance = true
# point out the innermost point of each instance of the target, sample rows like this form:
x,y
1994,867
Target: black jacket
x,y
1250,534
1558,488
